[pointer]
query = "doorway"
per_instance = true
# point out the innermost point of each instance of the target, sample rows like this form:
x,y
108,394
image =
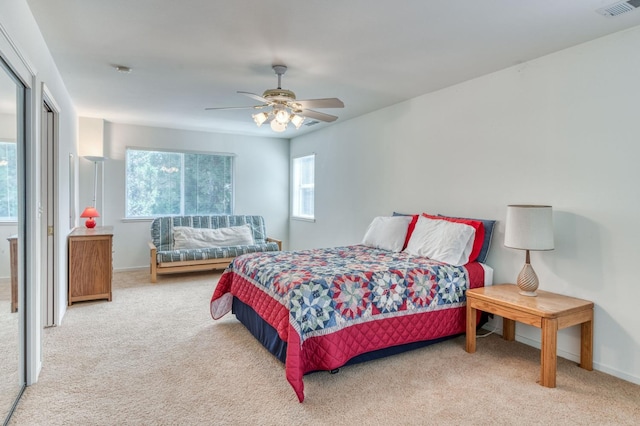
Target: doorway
x,y
48,157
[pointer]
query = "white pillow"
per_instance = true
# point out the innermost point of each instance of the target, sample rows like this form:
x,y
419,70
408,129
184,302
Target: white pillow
x,y
185,237
441,240
387,232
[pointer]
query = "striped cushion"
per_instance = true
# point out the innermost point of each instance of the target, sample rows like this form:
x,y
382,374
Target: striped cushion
x,y
212,253
162,227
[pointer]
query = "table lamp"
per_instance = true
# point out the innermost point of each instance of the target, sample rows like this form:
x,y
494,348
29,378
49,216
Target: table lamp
x,y
90,213
529,227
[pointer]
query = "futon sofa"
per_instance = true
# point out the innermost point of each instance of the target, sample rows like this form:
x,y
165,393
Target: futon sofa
x,y
171,251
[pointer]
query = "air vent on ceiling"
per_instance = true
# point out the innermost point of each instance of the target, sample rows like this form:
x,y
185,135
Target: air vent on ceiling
x,y
311,123
619,8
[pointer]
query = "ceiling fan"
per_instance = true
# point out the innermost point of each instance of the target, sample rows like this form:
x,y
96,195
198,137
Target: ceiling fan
x,y
284,108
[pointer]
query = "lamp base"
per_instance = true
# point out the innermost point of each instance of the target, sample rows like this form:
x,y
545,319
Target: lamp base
x,y
527,281
90,223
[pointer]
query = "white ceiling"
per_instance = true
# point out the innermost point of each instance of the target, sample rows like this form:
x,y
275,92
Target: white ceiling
x,y
188,55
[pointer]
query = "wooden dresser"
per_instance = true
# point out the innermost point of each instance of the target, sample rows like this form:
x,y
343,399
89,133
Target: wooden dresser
x,y
13,256
90,263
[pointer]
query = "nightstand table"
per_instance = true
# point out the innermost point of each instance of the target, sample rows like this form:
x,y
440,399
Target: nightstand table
x,y
90,263
548,311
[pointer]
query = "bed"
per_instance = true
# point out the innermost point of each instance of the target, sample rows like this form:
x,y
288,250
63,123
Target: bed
x,y
321,309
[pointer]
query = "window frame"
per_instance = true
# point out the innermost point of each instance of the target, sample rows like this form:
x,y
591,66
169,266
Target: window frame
x,y
233,156
296,188
11,219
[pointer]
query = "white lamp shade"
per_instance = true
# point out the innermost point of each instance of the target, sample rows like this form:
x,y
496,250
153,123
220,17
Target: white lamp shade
x,y
529,227
260,118
276,126
297,120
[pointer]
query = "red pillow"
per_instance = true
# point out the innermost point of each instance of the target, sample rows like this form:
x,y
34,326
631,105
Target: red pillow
x,y
477,225
412,225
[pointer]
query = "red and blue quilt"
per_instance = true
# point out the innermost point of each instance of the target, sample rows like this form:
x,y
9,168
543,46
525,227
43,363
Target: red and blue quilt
x,y
332,304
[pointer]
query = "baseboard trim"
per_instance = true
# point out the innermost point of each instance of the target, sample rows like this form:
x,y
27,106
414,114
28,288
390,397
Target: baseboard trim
x,y
131,269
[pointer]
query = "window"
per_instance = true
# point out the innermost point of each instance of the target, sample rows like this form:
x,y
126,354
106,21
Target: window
x,y
8,182
303,187
163,183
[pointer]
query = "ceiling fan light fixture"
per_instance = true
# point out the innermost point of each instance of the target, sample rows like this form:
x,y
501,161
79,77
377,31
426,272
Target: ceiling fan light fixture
x,y
297,120
283,107
259,118
276,126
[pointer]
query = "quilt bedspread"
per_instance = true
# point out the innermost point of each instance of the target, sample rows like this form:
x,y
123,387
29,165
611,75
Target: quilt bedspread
x,y
332,304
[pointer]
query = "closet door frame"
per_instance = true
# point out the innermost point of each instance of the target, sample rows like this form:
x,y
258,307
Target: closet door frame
x,y
29,320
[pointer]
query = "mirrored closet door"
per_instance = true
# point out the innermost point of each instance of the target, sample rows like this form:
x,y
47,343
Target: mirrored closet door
x,y
12,240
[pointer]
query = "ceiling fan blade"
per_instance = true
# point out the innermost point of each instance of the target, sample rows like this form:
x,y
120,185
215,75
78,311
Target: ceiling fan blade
x,y
321,103
319,115
254,96
241,107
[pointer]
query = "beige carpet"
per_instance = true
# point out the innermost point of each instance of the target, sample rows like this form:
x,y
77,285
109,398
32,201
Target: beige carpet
x,y
154,356
9,354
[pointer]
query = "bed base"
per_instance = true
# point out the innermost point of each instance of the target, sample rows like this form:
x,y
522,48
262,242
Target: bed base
x,y
268,337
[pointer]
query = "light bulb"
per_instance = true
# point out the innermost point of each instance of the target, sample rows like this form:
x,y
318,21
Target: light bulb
x,y
276,126
282,116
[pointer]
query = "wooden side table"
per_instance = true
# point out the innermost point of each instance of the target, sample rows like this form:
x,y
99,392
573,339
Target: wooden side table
x,y
90,264
548,311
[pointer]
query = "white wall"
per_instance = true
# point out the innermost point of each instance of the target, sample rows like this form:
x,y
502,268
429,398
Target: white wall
x,y
560,130
261,181
21,43
8,126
